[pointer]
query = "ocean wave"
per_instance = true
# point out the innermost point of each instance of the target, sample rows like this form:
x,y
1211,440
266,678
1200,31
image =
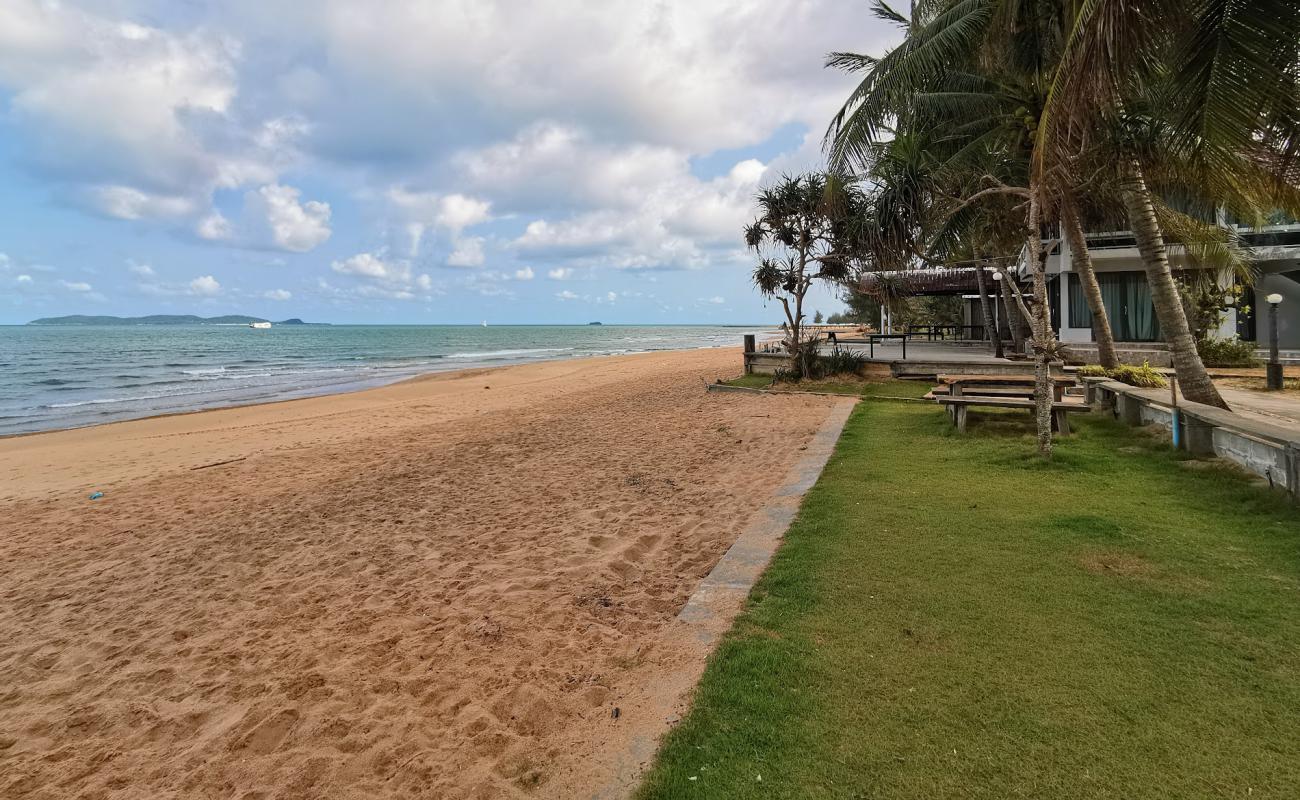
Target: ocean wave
x,y
497,354
97,401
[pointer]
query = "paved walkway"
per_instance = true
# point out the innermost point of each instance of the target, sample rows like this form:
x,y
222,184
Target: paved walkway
x,y
1279,408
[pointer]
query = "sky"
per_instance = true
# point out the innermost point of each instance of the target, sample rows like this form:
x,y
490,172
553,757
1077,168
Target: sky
x,y
406,161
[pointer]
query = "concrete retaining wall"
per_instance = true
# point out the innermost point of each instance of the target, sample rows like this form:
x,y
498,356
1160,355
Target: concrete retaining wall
x,y
1270,451
1155,354
766,363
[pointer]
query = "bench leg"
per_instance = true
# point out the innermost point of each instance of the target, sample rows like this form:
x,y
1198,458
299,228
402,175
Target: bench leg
x,y
961,418
1062,419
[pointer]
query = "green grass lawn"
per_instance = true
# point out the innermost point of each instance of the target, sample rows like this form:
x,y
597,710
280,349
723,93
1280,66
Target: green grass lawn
x,y
950,617
839,384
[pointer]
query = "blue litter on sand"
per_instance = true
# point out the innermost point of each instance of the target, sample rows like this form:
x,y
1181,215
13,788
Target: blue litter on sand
x,y
96,495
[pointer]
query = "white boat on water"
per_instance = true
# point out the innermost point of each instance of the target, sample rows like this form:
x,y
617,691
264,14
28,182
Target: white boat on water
x,y
259,325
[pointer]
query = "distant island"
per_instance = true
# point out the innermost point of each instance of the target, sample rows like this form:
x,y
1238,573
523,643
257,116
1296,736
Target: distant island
x,y
160,319
595,323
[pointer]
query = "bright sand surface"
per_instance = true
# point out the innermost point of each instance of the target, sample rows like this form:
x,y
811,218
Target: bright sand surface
x,y
432,589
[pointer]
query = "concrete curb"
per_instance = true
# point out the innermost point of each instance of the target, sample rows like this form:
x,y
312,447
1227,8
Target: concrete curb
x,y
717,601
722,593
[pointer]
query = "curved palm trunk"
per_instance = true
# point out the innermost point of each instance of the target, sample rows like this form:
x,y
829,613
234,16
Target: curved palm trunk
x,y
990,329
1081,260
1043,344
1195,381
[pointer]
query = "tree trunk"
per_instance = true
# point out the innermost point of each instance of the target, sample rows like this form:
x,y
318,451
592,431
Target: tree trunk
x,y
1014,323
1192,377
1081,260
1042,327
990,329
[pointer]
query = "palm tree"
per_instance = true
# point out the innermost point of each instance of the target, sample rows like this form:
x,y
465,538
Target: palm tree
x,y
936,81
1085,62
1232,67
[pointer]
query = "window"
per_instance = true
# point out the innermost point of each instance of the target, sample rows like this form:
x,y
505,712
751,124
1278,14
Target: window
x,y
1127,298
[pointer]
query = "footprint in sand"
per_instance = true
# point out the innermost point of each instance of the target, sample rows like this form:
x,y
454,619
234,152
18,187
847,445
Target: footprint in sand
x,y
267,735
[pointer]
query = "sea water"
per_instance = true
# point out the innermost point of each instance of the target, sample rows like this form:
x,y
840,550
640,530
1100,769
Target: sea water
x,y
70,376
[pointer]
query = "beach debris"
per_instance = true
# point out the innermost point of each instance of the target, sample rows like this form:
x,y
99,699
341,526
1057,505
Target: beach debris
x,y
96,495
617,712
219,463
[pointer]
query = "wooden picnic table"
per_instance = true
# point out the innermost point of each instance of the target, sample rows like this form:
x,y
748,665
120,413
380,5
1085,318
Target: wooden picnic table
x,y
959,384
870,340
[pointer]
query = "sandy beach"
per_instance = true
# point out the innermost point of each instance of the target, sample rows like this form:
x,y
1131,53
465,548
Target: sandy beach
x,y
440,588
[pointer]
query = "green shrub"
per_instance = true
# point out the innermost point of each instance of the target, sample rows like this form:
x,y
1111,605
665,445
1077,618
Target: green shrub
x,y
842,362
839,362
1144,376
1227,352
1092,371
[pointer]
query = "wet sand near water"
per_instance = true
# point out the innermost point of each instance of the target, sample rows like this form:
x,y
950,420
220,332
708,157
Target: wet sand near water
x,y
440,588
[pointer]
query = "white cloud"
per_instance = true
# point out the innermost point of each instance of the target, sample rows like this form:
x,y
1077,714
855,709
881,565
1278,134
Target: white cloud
x,y
661,217
366,265
205,286
525,274
142,270
384,277
421,212
137,120
467,253
437,118
76,286
293,226
277,294
126,202
213,227
566,295
23,278
717,301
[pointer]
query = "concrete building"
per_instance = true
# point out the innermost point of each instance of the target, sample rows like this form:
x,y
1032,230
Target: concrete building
x,y
1127,296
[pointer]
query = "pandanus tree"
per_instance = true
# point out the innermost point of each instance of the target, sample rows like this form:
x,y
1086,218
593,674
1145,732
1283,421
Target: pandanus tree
x,y
803,234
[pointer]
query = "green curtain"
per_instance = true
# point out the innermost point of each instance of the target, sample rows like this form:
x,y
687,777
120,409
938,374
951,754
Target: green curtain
x,y
1080,314
1141,311
1127,298
1112,296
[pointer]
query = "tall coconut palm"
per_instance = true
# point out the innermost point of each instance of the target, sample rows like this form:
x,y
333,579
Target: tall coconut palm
x,y
936,78
1232,67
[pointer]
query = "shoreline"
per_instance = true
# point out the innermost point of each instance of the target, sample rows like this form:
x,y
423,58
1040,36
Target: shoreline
x,y
16,469
348,388
356,388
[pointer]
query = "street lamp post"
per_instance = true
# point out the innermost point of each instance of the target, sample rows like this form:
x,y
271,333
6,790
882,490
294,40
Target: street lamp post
x,y
997,317
1273,370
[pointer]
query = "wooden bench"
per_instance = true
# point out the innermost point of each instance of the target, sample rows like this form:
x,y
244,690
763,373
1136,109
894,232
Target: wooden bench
x,y
959,385
945,390
958,407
